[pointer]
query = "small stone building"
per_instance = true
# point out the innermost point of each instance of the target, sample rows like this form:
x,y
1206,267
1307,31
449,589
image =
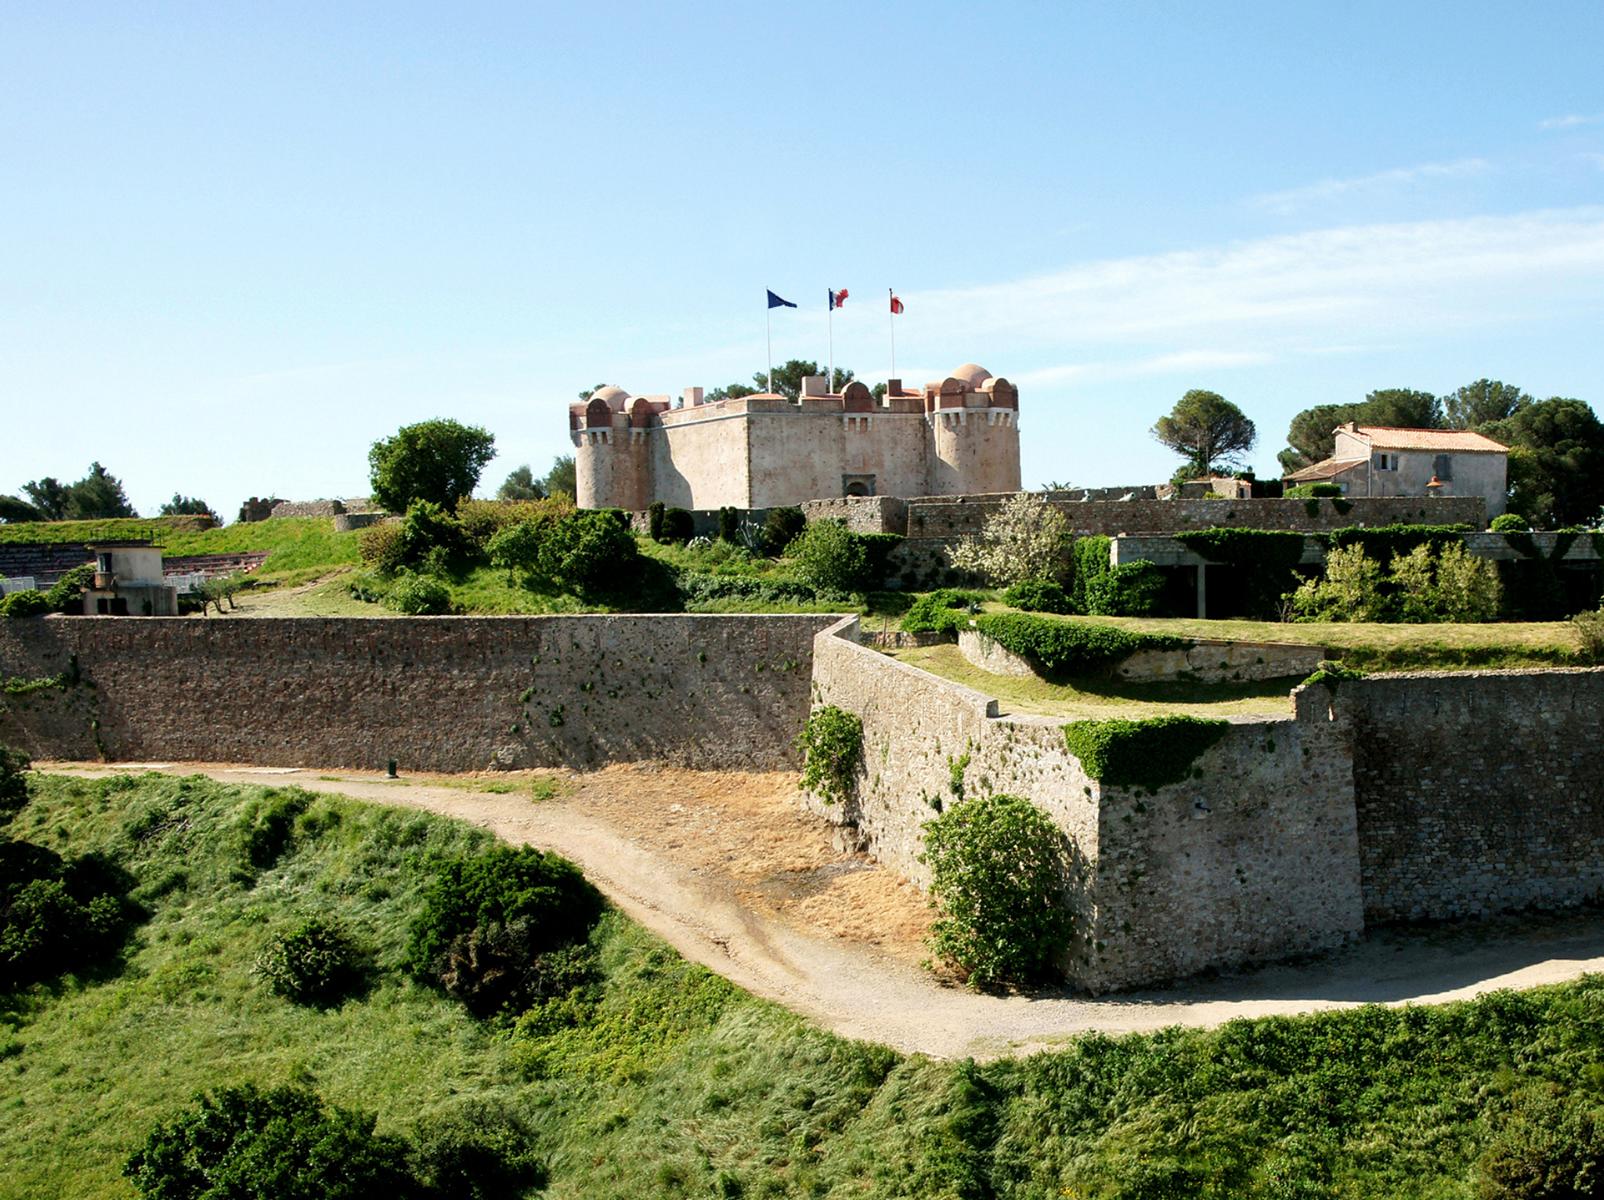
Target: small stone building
x,y
128,582
956,436
1374,460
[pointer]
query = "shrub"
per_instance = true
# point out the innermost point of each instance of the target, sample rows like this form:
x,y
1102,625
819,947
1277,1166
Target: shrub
x,y
831,744
1151,753
517,549
13,783
245,1144
1450,585
1025,538
481,520
780,528
998,876
831,558
314,963
654,520
66,593
1090,557
56,914
1589,628
945,611
729,524
591,551
501,930
699,590
1385,542
266,825
478,1151
29,602
380,547
1069,647
1350,590
877,550
1547,1147
418,595
1038,595
1510,523
1131,589
1312,491
1332,673
432,538
678,526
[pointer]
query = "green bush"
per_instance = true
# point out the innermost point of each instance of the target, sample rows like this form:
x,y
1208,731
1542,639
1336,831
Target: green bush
x,y
1312,491
729,524
1332,673
877,551
380,547
57,914
592,552
504,929
1090,555
67,592
481,520
242,1143
433,539
780,528
699,589
1546,1146
678,526
654,520
1589,628
314,963
418,595
1384,542
831,557
1510,523
29,602
266,825
998,877
477,1151
1131,589
831,744
1069,648
1038,595
13,783
1150,754
945,611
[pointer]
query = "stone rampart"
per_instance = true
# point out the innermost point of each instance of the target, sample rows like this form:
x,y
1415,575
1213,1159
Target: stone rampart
x,y
1255,861
1477,792
435,693
1205,661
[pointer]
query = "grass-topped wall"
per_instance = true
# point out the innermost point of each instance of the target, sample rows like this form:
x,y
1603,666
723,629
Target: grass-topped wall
x,y
1066,648
1146,754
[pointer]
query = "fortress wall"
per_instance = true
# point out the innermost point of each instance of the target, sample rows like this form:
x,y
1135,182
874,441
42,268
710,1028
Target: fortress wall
x,y
934,517
862,514
435,693
1158,890
699,464
1477,792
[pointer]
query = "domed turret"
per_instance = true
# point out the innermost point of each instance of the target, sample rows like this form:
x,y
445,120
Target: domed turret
x,y
973,374
616,397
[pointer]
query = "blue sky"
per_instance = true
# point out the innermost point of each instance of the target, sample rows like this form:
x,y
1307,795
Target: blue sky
x,y
241,242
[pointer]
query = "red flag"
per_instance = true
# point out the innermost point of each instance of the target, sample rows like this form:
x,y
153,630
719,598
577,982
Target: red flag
x,y
896,305
837,299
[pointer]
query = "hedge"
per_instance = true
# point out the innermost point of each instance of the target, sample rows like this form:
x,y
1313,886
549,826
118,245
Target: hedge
x,y
1070,647
1148,754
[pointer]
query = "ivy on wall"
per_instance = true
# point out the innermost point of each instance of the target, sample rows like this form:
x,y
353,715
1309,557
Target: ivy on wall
x,y
1149,754
1066,648
831,743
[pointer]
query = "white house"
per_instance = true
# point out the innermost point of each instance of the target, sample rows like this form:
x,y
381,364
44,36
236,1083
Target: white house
x,y
1373,460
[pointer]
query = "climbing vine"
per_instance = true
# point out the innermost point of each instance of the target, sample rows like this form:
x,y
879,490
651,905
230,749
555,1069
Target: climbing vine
x,y
831,743
1149,754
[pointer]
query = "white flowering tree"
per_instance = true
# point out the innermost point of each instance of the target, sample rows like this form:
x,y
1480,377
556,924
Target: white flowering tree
x,y
1026,538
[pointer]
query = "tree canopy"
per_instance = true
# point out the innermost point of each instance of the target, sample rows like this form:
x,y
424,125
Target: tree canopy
x,y
97,496
1312,435
439,461
1480,402
1206,430
1556,461
787,381
189,506
521,483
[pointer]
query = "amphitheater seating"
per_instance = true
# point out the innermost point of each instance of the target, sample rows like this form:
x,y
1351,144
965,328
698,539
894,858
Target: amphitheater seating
x,y
47,562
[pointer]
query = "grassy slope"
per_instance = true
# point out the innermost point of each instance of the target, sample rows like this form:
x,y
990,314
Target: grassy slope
x,y
677,1084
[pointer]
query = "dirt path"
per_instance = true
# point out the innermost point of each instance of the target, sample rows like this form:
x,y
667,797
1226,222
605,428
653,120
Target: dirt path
x,y
725,868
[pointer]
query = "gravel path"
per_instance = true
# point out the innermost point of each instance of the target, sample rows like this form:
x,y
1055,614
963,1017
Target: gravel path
x,y
839,978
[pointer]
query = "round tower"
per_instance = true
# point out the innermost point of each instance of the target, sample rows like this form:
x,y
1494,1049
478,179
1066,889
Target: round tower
x,y
610,451
975,433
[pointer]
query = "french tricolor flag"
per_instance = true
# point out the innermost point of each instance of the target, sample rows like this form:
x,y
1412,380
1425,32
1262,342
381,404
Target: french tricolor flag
x,y
837,299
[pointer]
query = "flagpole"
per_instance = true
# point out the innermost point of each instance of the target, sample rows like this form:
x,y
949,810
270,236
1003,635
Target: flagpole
x,y
891,315
829,383
768,331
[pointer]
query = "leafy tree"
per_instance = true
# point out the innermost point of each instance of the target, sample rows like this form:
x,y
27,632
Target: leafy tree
x,y
1350,590
1556,461
787,381
439,461
285,1143
49,497
560,479
97,496
590,551
189,506
14,510
1026,538
1206,430
831,558
521,484
731,391
1312,434
590,391
1480,402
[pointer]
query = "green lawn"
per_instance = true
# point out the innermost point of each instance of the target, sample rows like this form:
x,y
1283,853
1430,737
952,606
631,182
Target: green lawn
x,y
670,1082
1101,699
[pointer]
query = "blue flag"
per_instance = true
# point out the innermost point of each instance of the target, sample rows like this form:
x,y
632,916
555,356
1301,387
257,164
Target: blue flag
x,y
776,302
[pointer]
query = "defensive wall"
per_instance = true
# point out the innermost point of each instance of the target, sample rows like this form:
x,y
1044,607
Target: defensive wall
x,y
1391,798
435,693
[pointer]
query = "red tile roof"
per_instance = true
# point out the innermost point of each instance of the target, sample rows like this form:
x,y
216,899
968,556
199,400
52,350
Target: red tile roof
x,y
1463,440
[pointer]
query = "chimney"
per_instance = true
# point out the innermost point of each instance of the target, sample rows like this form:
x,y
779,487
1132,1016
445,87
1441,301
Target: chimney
x,y
692,396
815,385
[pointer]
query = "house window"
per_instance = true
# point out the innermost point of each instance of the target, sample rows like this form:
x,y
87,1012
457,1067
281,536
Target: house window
x,y
1443,467
1386,462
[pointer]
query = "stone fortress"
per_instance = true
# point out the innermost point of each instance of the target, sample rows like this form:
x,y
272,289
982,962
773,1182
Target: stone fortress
x,y
956,436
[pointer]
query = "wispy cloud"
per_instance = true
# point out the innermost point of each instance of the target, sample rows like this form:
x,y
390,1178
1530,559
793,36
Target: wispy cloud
x,y
1348,285
1180,362
1570,121
1380,184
